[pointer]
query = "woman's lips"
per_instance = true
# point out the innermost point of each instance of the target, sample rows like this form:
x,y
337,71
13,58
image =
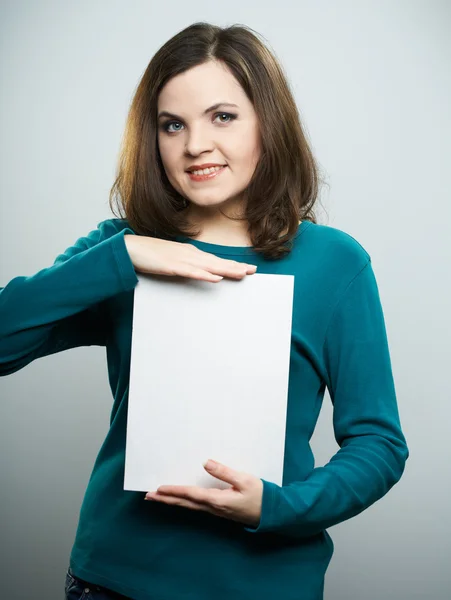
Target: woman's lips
x,y
206,177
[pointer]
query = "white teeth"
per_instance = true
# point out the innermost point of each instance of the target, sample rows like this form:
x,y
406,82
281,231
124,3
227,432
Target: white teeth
x,y
206,171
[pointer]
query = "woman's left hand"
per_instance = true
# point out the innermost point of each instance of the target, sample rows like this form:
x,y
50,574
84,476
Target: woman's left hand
x,y
242,502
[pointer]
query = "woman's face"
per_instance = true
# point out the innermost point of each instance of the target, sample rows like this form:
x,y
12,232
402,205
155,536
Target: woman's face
x,y
226,135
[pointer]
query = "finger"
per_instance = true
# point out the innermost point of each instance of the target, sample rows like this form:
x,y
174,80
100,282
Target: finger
x,y
177,501
224,267
214,270
191,493
215,509
230,268
212,274
225,473
196,273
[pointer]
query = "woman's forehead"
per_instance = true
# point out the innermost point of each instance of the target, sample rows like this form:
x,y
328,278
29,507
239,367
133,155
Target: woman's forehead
x,y
200,87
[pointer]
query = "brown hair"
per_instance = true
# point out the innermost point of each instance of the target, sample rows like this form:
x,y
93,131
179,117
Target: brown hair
x,y
284,186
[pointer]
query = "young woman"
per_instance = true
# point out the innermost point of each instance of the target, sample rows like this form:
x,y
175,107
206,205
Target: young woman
x,y
216,178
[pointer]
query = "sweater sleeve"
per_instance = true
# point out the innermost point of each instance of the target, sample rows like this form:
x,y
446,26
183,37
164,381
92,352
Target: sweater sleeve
x,y
373,449
60,307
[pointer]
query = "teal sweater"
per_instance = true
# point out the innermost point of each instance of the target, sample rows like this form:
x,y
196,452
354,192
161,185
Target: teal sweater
x,y
153,551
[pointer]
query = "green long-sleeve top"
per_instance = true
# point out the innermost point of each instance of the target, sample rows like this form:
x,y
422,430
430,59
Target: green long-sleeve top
x,y
152,551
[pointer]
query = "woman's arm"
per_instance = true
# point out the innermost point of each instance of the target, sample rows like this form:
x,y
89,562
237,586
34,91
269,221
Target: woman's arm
x,y
60,307
373,449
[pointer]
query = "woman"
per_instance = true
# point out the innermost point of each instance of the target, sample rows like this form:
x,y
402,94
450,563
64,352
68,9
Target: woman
x,y
216,179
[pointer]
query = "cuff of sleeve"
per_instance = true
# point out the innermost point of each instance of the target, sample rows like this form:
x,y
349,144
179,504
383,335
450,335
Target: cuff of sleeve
x,y
271,492
124,263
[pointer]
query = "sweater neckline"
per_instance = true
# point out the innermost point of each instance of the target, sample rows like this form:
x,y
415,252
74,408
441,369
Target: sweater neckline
x,y
231,250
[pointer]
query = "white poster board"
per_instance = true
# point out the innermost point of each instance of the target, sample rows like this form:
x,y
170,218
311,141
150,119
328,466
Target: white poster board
x,y
208,379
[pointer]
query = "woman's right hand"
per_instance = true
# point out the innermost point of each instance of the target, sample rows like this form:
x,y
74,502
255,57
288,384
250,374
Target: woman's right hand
x,y
163,257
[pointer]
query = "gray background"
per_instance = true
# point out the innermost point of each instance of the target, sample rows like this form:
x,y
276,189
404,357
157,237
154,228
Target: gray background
x,y
372,80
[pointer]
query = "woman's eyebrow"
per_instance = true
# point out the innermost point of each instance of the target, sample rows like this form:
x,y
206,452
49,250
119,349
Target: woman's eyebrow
x,y
165,113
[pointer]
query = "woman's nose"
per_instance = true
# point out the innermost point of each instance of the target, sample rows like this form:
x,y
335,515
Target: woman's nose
x,y
198,141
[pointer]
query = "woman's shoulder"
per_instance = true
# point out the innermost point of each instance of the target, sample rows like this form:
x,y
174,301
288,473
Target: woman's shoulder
x,y
105,230
112,226
333,248
332,239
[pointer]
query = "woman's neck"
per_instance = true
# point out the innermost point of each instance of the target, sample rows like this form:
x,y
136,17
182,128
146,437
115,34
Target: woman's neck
x,y
215,228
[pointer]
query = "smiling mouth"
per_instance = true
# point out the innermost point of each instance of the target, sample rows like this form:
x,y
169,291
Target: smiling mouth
x,y
206,176
215,167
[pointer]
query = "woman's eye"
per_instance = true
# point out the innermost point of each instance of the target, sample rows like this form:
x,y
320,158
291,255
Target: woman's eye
x,y
229,116
166,126
226,115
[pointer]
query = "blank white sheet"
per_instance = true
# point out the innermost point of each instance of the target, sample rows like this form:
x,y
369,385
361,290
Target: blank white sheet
x,y
208,379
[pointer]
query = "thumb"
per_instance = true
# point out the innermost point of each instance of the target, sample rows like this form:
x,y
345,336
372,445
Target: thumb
x,y
223,473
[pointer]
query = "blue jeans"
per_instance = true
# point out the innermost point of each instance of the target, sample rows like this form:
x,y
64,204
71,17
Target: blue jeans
x,y
79,589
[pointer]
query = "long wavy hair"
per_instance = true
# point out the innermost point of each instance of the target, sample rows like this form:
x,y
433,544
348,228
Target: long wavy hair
x,y
284,185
